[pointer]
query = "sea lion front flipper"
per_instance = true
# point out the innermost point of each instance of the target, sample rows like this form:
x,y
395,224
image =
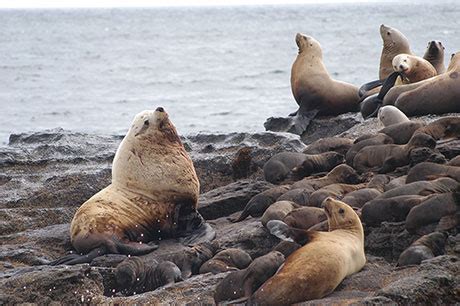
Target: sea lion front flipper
x,y
369,86
74,259
376,101
388,84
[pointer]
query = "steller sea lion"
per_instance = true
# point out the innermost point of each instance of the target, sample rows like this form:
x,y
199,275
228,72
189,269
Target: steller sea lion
x,y
340,174
440,185
454,161
334,191
287,247
386,158
317,163
375,187
412,69
435,55
314,90
304,217
395,182
443,128
390,115
299,196
226,260
394,43
365,142
402,132
277,211
430,171
317,268
153,194
337,144
425,247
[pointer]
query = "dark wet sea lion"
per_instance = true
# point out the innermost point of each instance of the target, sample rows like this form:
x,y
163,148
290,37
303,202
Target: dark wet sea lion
x,y
227,260
402,132
395,182
446,127
454,161
440,185
317,163
340,174
287,247
425,247
430,171
334,191
365,142
277,211
304,217
299,196
328,144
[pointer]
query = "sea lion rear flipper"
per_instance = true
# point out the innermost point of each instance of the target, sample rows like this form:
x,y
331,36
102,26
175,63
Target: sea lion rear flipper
x,y
74,259
369,86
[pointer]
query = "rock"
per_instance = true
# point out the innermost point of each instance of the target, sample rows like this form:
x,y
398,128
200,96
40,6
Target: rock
x,y
226,200
45,284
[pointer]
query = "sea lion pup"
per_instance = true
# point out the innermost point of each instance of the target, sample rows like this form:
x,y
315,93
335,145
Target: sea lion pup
x,y
425,247
283,164
340,145
402,132
420,155
226,260
439,95
430,171
393,209
435,55
396,182
245,282
443,128
433,209
340,174
314,90
440,185
378,139
260,202
412,69
153,194
316,269
133,275
375,187
386,158
304,217
277,211
287,247
299,196
335,191
394,43
390,115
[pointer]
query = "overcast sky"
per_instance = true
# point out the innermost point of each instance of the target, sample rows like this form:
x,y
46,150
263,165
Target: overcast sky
x,y
151,3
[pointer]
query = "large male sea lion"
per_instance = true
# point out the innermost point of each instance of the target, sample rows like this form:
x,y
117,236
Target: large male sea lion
x,y
435,55
153,194
314,90
317,268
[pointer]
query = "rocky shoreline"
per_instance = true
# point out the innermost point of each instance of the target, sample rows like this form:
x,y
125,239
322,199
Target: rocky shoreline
x,y
46,176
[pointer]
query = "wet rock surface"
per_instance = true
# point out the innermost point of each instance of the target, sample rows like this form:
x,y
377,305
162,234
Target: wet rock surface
x,y
46,176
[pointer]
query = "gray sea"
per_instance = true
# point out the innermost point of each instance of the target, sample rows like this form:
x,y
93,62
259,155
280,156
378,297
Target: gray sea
x,y
215,69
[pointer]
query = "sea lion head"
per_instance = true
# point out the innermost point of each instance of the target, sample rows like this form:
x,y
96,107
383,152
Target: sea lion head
x,y
401,63
391,36
307,44
341,215
454,64
434,49
154,127
345,174
422,140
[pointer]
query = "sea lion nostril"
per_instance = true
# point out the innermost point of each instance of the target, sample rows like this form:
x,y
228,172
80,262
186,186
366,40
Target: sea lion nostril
x,y
160,109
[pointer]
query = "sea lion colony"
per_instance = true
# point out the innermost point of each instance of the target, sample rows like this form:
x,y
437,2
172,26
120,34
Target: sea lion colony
x,y
154,185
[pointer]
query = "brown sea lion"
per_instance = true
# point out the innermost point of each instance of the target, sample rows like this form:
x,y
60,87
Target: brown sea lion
x,y
395,182
443,128
227,260
340,174
324,162
435,55
454,161
425,247
153,194
386,158
402,132
440,185
334,191
433,209
363,142
420,155
260,202
299,196
412,68
241,165
438,95
316,269
245,282
340,145
393,209
314,90
287,247
277,211
394,43
430,171
304,217
374,188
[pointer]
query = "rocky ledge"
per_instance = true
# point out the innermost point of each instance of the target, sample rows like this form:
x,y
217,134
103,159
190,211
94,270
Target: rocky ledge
x,y
46,176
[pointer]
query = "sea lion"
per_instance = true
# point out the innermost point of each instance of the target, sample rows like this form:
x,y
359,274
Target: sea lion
x,y
153,194
433,209
395,182
393,209
134,275
430,171
314,90
360,143
226,260
340,174
439,95
299,165
454,161
425,247
375,187
245,282
260,202
304,217
241,165
402,132
412,68
435,55
440,185
394,43
340,145
334,191
277,211
443,128
386,158
424,154
390,115
316,269
287,247
299,196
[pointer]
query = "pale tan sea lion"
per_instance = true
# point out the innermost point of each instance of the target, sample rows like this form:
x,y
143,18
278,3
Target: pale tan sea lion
x,y
390,115
435,55
425,247
316,269
340,174
154,193
314,90
277,211
226,260
412,68
394,43
430,171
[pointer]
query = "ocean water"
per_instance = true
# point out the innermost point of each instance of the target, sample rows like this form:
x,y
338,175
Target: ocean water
x,y
219,69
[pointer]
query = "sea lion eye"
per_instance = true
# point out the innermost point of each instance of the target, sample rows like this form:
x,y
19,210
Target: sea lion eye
x,y
146,122
388,33
341,211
